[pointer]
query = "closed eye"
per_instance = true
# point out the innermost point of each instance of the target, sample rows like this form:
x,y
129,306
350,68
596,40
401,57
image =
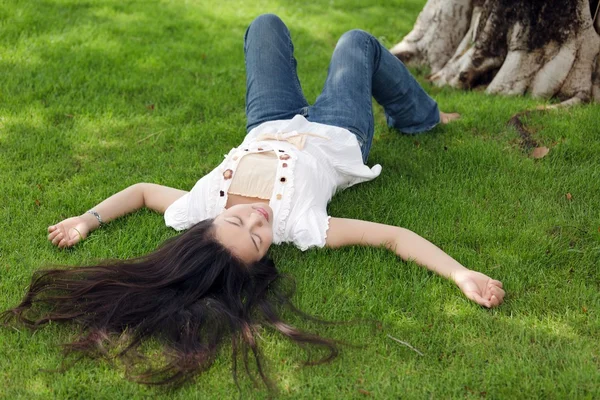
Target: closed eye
x,y
240,223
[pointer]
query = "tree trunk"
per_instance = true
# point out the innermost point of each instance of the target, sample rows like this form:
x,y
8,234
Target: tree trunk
x,y
545,48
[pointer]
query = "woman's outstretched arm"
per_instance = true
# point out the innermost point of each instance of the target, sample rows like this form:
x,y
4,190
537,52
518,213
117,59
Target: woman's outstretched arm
x,y
408,245
155,197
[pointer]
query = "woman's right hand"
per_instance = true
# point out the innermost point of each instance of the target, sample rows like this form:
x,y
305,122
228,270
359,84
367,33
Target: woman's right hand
x,y
69,232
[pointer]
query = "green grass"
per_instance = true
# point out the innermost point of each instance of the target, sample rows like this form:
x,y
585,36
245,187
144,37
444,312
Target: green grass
x,y
77,83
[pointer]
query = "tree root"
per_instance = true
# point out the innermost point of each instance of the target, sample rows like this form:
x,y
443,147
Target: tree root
x,y
438,30
528,143
512,55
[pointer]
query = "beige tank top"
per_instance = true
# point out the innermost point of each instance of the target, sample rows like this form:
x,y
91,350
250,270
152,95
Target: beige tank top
x,y
255,175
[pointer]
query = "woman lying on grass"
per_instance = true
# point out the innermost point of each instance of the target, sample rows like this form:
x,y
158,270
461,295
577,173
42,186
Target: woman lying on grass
x,y
216,281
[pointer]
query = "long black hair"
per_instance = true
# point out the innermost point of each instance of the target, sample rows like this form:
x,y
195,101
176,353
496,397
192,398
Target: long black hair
x,y
190,295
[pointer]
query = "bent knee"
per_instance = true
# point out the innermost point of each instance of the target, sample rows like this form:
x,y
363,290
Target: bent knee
x,y
267,21
355,37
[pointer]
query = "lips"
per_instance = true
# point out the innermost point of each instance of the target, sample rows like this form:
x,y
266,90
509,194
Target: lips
x,y
263,212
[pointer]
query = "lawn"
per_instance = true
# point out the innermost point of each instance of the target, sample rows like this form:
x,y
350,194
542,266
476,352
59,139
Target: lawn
x,y
98,95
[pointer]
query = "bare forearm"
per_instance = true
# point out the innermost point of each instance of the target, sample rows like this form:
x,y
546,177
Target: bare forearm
x,y
410,246
117,205
150,195
72,230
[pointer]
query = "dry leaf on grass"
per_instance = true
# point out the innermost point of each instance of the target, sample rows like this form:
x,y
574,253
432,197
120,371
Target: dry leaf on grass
x,y
540,152
569,196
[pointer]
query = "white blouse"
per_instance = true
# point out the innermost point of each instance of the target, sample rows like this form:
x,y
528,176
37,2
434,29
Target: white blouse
x,y
329,160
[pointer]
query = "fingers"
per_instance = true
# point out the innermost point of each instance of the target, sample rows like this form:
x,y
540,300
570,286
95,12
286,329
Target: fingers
x,y
477,298
496,297
490,295
495,301
496,291
59,237
56,235
62,242
53,234
67,241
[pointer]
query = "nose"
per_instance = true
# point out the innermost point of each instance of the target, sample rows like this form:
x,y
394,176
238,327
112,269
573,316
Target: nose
x,y
255,219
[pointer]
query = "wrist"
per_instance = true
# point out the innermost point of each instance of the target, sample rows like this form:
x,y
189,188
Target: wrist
x,y
90,220
456,274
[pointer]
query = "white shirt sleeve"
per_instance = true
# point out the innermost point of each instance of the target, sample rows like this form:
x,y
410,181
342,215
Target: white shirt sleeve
x,y
190,208
310,229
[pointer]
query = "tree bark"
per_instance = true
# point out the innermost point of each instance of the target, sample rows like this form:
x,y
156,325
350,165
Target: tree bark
x,y
545,48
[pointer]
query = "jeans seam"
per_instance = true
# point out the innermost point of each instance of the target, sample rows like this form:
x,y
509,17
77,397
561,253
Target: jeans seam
x,y
365,149
291,47
367,78
377,55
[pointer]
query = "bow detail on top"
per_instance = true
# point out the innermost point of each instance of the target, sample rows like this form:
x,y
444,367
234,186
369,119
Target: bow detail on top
x,y
296,138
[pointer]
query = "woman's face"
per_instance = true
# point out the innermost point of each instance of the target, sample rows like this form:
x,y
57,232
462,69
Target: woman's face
x,y
246,230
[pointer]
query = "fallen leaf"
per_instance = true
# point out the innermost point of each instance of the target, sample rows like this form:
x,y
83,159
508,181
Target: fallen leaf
x,y
569,196
584,309
365,392
540,152
37,202
150,107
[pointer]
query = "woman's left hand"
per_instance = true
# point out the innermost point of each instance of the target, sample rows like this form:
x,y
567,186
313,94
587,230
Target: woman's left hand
x,y
480,288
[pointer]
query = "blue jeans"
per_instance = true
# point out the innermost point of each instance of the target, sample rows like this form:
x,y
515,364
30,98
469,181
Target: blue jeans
x,y
360,68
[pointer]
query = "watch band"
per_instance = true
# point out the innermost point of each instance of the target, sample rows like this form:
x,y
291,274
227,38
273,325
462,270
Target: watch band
x,y
95,214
